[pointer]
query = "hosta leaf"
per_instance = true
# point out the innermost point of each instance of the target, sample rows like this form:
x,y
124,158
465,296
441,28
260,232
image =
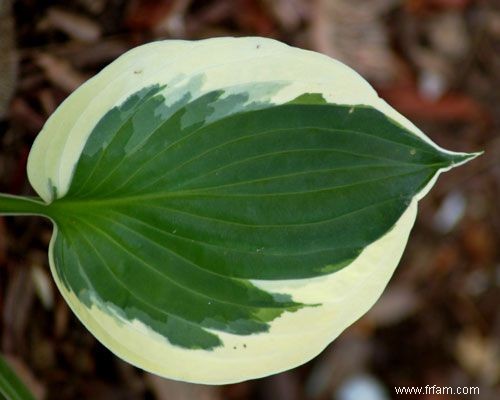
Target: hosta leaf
x,y
225,208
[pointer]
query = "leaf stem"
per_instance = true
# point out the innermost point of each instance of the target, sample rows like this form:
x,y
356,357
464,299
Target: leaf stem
x,y
20,205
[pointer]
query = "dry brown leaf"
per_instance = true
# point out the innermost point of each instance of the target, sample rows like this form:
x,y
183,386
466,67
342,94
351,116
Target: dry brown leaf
x,y
74,25
100,53
253,18
60,72
452,107
146,14
174,22
352,32
288,13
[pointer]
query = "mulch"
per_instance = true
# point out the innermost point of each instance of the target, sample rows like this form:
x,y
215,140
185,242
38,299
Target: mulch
x,y
436,61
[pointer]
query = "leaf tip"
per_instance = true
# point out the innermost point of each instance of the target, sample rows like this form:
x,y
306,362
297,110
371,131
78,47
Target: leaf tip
x,y
457,159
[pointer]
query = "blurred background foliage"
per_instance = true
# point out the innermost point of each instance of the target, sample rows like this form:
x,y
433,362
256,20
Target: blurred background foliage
x,y
436,61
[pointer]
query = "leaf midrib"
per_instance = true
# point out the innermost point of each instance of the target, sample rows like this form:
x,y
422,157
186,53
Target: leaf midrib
x,y
239,139
72,204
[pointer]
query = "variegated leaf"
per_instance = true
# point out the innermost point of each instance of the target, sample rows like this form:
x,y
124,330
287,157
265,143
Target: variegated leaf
x,y
223,209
